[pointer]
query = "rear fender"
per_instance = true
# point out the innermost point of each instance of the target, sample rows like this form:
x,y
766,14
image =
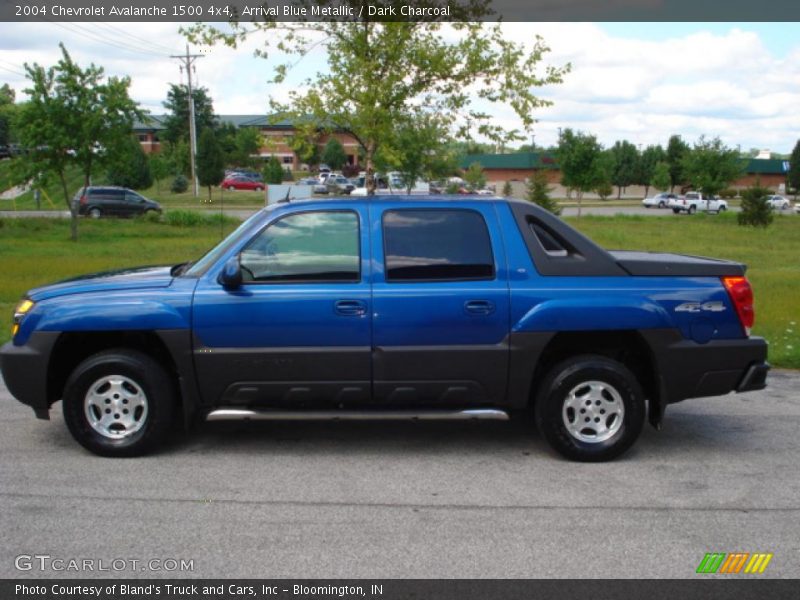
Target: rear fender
x,y
593,313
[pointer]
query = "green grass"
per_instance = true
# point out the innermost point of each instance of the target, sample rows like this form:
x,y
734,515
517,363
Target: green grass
x,y
772,256
38,251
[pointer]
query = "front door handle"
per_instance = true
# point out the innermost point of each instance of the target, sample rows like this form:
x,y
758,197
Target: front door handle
x,y
479,307
350,308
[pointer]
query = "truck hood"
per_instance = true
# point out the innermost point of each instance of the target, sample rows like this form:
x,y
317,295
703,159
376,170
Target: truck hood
x,y
123,279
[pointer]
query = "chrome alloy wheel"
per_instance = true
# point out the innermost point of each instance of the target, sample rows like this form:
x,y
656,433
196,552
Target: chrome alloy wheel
x,y
115,406
593,411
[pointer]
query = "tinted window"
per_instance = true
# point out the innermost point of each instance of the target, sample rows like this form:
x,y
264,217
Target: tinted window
x,y
312,246
436,245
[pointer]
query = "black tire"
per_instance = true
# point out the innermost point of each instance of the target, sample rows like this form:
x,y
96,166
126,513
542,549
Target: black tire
x,y
676,211
567,377
144,372
661,204
692,209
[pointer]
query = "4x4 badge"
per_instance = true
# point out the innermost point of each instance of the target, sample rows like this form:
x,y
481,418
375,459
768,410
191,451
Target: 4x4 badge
x,y
693,307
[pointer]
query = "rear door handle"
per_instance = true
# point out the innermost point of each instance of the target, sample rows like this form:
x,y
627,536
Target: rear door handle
x,y
350,308
479,307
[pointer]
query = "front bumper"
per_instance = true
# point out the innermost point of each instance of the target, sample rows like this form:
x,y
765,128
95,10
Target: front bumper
x,y
691,370
25,370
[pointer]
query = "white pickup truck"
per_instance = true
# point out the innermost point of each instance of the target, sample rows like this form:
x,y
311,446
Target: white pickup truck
x,y
696,201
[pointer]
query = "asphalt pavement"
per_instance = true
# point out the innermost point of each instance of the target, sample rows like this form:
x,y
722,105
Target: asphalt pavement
x,y
422,500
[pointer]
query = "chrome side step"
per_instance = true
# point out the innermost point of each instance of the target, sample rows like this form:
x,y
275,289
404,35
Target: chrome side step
x,y
238,414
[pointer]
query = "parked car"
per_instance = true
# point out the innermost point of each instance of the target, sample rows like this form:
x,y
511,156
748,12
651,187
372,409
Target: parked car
x,y
339,184
693,202
111,201
659,200
242,182
777,202
396,307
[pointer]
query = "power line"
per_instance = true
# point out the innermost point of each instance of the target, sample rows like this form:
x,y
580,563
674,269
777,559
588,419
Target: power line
x,y
139,40
12,71
91,36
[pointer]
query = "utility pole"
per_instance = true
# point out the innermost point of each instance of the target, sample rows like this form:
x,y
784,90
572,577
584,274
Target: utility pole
x,y
188,62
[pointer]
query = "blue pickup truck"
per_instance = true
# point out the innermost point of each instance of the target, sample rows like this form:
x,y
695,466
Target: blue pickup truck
x,y
389,308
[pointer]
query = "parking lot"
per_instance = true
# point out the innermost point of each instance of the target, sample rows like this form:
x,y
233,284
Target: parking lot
x,y
413,499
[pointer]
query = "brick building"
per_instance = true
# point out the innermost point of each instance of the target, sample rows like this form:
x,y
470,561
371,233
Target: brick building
x,y
276,137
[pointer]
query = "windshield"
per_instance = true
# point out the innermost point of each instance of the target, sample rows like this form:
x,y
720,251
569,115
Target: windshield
x,y
210,257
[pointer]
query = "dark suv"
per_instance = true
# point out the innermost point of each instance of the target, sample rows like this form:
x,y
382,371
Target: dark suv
x,y
99,201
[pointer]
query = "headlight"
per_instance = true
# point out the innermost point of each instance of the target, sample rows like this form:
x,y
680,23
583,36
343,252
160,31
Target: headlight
x,y
22,309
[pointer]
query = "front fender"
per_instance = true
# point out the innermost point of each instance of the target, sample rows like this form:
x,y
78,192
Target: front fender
x,y
594,313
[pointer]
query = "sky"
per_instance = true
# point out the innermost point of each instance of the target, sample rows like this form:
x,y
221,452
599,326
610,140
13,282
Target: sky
x,y
637,81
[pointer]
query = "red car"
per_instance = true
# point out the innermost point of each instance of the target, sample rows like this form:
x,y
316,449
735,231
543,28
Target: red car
x,y
242,182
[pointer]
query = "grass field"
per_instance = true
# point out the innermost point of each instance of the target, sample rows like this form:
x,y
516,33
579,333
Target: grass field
x,y
37,251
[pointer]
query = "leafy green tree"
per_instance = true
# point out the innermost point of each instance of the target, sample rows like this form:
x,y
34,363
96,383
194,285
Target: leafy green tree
x,y
756,211
651,156
7,110
661,179
248,144
537,190
583,164
180,184
474,176
507,191
625,159
176,122
273,171
75,117
129,167
419,150
160,168
304,144
793,176
710,166
210,161
334,155
378,69
676,150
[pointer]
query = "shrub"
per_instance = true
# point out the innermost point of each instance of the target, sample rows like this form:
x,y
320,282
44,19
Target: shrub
x,y
287,174
604,190
538,192
452,188
191,218
273,171
507,191
179,185
756,211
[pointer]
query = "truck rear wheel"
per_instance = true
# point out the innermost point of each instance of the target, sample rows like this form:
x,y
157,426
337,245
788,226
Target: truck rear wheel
x,y
590,408
119,403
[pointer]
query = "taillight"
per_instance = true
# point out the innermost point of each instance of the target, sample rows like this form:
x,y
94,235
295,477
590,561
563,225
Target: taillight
x,y
742,297
83,199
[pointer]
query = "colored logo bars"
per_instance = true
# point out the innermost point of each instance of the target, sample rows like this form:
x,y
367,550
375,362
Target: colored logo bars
x,y
737,562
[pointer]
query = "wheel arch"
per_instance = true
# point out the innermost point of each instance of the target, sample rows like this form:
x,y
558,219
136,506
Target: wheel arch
x,y
627,347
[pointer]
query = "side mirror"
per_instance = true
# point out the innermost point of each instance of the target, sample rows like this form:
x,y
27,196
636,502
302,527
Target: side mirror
x,y
231,275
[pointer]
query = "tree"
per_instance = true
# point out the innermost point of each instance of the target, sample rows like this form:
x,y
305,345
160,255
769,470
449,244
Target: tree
x,y
377,70
304,144
176,122
474,176
646,167
537,190
660,179
582,162
507,190
334,155
793,176
273,171
248,142
210,161
160,168
129,167
7,110
74,118
625,159
756,211
676,150
710,166
419,150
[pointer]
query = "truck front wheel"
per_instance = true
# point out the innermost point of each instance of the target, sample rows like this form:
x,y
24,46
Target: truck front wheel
x,y
590,408
119,403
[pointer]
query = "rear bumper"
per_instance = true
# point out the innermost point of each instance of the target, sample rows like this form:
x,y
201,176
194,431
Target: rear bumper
x,y
25,370
691,370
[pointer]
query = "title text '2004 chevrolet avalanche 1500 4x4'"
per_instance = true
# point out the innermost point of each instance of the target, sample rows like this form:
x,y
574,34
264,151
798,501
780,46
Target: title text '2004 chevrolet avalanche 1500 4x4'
x,y
390,308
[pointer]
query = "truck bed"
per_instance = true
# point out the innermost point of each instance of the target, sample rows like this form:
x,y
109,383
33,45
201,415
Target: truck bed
x,y
675,265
